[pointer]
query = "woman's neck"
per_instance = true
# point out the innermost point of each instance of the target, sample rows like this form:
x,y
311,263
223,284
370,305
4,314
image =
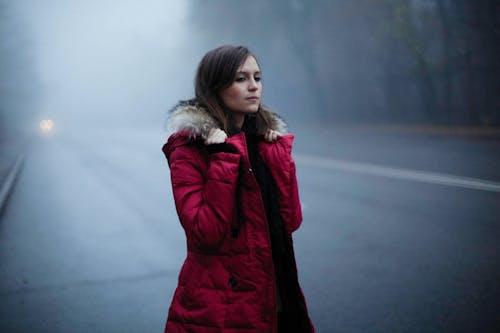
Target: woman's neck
x,y
238,120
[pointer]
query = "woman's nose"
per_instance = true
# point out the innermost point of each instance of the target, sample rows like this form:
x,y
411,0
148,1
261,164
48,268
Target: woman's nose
x,y
253,85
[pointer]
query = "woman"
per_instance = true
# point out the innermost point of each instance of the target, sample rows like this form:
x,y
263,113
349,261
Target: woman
x,y
236,195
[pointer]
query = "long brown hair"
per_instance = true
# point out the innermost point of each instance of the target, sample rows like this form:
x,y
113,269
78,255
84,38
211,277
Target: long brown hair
x,y
216,72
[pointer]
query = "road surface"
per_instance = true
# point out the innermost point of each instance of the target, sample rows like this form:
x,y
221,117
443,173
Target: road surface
x,y
400,233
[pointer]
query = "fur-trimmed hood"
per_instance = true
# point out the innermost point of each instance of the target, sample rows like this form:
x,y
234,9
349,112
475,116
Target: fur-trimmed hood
x,y
197,121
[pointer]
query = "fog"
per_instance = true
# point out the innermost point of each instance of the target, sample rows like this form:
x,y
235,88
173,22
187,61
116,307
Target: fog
x,y
96,63
395,109
103,63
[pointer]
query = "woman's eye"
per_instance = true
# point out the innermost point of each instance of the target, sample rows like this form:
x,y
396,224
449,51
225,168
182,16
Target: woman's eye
x,y
257,78
240,79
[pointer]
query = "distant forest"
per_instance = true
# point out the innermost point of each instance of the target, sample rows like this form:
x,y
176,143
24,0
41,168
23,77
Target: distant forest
x,y
368,61
334,61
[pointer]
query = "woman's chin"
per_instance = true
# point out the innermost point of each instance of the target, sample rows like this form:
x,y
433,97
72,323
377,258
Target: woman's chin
x,y
247,111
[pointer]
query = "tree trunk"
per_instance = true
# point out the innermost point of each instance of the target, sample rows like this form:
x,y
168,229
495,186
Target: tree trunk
x,y
407,31
446,108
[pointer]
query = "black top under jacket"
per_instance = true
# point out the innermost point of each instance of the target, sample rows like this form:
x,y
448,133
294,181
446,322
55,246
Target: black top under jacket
x,y
293,316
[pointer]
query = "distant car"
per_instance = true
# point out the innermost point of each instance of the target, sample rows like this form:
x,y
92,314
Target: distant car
x,y
46,126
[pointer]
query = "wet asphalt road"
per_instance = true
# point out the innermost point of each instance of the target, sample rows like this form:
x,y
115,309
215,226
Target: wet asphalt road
x,y
90,241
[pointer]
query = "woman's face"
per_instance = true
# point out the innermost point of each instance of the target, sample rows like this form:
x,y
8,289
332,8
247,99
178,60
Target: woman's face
x,y
243,95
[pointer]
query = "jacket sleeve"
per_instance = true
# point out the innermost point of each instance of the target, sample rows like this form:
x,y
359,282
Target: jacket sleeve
x,y
295,208
204,196
291,210
278,157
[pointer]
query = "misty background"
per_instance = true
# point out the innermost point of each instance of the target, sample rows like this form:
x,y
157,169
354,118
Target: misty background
x,y
107,63
395,107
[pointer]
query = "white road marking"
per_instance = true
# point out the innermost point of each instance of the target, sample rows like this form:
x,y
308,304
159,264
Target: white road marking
x,y
398,173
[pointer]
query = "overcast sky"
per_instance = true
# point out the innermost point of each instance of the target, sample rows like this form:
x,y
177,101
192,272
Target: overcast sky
x,y
106,59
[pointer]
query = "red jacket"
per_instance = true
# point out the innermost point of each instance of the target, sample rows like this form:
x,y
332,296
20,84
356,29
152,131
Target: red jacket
x,y
226,283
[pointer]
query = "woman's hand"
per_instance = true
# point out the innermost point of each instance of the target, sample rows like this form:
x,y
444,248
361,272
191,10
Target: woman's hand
x,y
215,136
271,135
